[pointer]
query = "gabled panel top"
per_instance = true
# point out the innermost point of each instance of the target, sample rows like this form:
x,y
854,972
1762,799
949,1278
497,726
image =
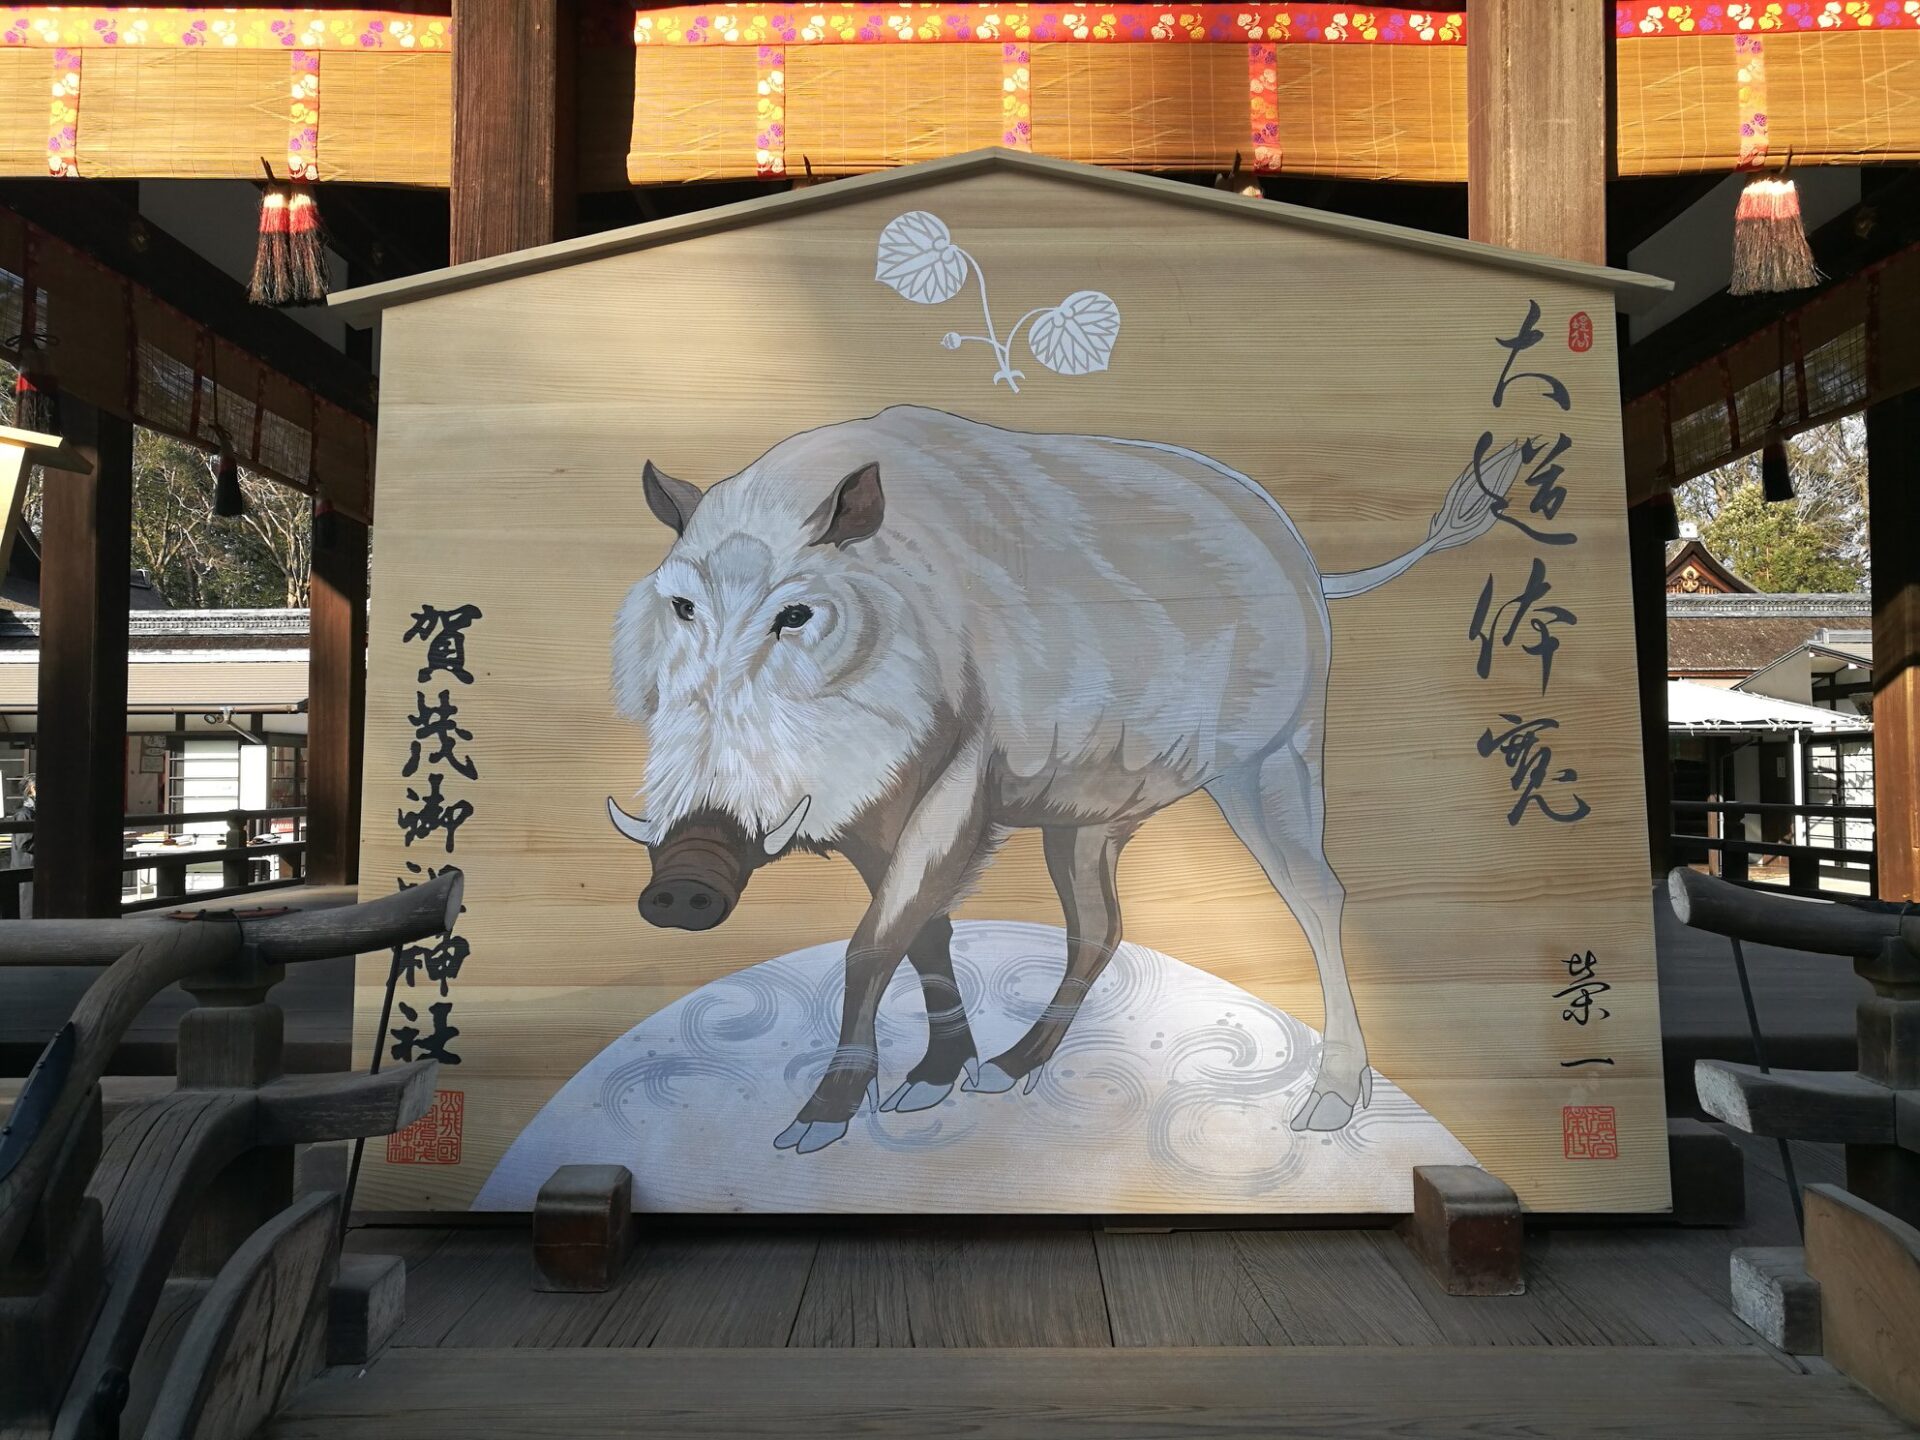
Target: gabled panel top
x,y
1631,289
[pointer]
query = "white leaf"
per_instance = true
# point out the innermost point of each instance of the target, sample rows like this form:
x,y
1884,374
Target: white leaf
x,y
919,259
1076,336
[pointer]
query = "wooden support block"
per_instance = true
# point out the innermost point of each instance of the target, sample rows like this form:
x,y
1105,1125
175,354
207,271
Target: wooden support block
x,y
321,1166
1867,1264
1775,1297
1709,1174
365,1307
1466,1227
1835,1107
582,1224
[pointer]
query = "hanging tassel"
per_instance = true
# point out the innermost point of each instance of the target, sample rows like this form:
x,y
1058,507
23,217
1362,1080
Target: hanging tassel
x,y
1770,251
272,263
324,525
306,248
806,181
1776,477
229,503
36,394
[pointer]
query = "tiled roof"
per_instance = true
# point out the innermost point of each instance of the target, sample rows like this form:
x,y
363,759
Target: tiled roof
x,y
1720,633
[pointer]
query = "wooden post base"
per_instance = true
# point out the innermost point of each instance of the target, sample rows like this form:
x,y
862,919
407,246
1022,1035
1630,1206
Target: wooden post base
x,y
1867,1264
1466,1228
365,1306
582,1225
1775,1297
1709,1174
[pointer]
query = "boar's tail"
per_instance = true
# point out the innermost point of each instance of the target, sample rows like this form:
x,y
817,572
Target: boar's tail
x,y
1469,511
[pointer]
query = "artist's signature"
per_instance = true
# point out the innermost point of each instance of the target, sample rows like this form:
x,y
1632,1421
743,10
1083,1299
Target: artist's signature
x,y
1579,1000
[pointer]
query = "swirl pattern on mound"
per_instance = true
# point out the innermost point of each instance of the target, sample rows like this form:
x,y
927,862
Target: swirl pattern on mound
x,y
1172,1092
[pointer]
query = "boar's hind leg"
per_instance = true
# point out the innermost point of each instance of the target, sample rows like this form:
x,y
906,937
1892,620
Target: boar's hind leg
x,y
1276,806
949,1037
1083,863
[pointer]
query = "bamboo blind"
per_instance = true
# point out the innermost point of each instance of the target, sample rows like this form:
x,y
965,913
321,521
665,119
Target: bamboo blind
x,y
386,115
1312,89
25,78
900,105
120,348
1850,346
179,113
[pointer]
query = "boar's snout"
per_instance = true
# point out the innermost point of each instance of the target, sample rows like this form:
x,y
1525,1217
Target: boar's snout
x,y
699,871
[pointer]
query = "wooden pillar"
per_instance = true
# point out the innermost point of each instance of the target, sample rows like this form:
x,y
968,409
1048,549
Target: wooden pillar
x,y
336,703
1537,132
85,557
512,182
1893,542
1647,552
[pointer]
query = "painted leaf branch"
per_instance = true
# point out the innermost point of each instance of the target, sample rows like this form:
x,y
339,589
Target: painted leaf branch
x,y
919,261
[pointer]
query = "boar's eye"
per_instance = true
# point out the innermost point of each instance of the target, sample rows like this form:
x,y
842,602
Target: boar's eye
x,y
683,607
792,618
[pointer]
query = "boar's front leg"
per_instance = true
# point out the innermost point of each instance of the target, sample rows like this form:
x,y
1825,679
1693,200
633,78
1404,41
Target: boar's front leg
x,y
939,847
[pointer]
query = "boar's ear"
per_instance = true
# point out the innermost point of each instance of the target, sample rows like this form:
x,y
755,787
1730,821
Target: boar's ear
x,y
672,501
852,512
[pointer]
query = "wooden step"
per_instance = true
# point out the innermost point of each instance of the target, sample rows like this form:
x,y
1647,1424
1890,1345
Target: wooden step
x,y
1126,1394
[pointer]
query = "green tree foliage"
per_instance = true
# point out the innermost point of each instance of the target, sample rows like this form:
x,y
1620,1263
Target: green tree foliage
x,y
1817,542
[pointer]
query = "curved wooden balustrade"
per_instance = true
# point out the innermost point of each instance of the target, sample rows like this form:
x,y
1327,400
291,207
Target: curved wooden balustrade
x,y
96,1223
1861,1261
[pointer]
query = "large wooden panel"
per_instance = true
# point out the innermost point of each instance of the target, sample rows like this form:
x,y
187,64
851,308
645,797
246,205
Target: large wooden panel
x,y
1349,382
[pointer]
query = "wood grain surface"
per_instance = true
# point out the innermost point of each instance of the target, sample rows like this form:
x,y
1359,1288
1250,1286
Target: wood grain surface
x,y
1043,1394
1348,376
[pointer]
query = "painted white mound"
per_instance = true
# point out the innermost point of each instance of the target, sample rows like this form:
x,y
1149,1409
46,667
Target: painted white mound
x,y
1171,1092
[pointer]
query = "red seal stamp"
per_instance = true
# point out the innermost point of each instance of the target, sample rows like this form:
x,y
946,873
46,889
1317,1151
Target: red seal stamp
x,y
1587,1132
433,1139
1580,332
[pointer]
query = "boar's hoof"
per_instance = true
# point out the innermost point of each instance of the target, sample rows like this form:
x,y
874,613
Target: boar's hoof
x,y
916,1095
990,1079
1323,1111
804,1137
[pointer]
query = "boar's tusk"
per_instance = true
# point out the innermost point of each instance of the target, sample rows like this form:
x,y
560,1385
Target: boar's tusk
x,y
631,826
775,840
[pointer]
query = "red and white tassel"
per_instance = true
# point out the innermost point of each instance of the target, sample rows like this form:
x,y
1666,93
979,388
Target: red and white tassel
x,y
1770,250
271,265
306,248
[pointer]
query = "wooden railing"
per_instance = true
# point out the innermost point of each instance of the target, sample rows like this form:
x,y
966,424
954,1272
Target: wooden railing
x,y
1803,861
241,855
183,1202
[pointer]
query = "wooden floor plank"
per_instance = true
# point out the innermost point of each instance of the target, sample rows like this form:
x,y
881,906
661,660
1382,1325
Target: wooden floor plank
x,y
1133,1394
1327,1288
1525,1320
859,1292
449,1282
1011,1285
1187,1287
509,1311
710,1289
1631,1287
